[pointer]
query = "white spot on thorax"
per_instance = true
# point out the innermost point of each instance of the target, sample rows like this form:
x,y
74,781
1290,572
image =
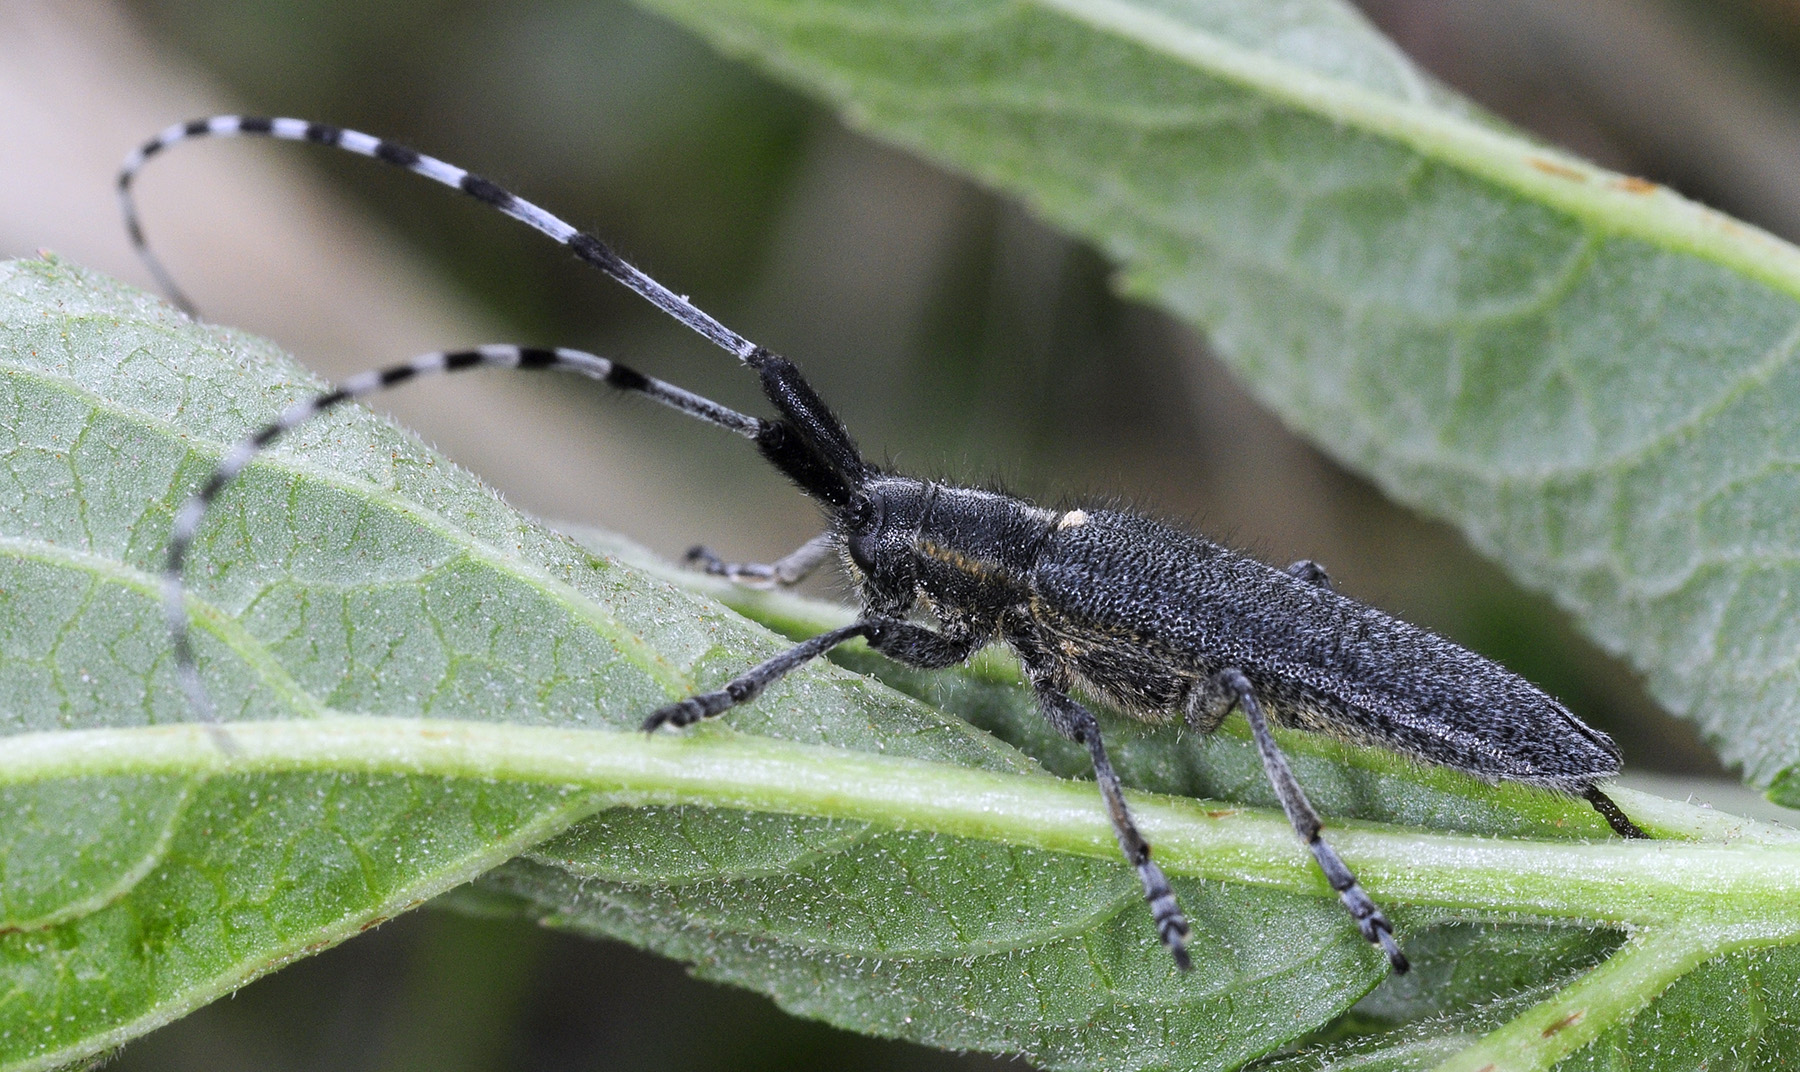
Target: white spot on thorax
x,y
1072,519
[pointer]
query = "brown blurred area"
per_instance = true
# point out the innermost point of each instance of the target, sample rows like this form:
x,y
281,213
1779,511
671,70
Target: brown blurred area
x,y
959,336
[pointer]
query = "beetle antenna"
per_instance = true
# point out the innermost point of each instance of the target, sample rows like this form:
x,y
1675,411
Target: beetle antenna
x,y
585,246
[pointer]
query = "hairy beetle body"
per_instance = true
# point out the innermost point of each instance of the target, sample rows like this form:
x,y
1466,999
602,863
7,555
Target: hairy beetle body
x,y
1147,616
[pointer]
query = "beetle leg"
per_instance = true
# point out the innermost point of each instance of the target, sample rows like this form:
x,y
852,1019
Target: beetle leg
x,y
918,646
788,570
1374,926
1618,820
1077,723
1311,572
750,685
902,641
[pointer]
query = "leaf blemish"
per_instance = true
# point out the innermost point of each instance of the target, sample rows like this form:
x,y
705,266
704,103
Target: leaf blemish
x,y
1564,1022
1551,167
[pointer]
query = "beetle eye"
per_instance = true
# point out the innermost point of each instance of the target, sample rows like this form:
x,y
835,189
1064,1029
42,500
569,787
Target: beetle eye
x,y
859,512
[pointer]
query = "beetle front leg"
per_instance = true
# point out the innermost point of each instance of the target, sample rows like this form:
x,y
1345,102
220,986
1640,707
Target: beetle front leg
x,y
902,641
1374,926
785,572
749,686
918,646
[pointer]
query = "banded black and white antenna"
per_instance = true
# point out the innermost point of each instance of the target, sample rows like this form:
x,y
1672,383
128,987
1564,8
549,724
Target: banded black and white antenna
x,y
559,359
771,436
584,246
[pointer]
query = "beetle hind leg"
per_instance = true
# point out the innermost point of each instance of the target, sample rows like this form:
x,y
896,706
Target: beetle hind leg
x,y
1618,820
1368,916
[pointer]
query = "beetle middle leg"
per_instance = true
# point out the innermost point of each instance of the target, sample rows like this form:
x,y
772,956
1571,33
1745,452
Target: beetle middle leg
x,y
1374,926
1078,724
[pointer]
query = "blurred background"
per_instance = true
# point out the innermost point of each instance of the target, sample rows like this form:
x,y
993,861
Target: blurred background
x,y
957,335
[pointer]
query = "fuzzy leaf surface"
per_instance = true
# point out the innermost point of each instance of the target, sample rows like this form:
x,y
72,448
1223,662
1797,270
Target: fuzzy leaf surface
x,y
358,600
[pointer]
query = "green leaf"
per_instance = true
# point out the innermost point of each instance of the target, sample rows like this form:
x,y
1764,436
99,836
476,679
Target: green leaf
x,y
353,570
424,685
1592,377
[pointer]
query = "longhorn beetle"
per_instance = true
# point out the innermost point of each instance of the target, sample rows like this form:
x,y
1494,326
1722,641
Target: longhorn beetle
x,y
1154,621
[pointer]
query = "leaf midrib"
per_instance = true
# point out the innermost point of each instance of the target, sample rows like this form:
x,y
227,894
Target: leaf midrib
x,y
1644,883
1605,200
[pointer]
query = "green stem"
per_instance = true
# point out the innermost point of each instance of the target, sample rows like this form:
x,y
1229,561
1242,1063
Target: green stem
x,y
1609,995
1627,883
